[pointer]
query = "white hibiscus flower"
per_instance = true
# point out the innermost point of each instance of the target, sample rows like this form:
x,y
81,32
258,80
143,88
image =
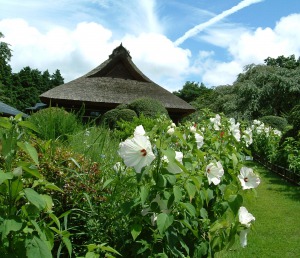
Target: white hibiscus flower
x,y
214,172
248,179
136,152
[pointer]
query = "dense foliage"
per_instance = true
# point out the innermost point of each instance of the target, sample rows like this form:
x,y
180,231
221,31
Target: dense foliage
x,y
142,107
115,200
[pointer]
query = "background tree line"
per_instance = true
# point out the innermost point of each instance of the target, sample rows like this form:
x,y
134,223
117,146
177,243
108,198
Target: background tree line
x,y
269,89
21,90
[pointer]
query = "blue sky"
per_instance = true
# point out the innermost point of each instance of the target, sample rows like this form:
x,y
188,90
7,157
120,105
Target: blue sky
x,y
171,41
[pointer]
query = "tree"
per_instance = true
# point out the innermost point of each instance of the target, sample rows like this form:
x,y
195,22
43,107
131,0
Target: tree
x,y
5,68
191,91
56,79
283,62
271,89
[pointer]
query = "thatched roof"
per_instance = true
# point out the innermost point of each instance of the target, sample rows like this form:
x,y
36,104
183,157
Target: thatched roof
x,y
115,81
6,110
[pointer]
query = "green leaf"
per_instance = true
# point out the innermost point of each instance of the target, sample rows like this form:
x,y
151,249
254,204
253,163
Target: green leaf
x,y
10,225
203,213
171,179
48,201
16,188
190,208
234,160
28,125
30,150
144,194
191,189
5,176
177,193
235,202
36,199
75,162
68,244
162,181
163,222
30,169
31,211
92,255
91,247
197,181
35,247
107,182
52,186
18,117
187,224
109,249
55,219
5,123
38,229
136,229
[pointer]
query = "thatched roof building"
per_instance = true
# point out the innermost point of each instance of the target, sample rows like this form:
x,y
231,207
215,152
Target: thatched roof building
x,y
115,81
7,111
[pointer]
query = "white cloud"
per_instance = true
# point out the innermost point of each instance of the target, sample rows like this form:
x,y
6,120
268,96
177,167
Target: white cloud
x,y
220,73
75,52
247,46
159,59
72,52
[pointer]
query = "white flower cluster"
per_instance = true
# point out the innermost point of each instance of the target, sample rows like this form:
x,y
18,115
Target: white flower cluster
x,y
137,153
216,122
259,127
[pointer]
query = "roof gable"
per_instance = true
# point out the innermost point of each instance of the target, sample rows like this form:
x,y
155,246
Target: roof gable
x,y
119,65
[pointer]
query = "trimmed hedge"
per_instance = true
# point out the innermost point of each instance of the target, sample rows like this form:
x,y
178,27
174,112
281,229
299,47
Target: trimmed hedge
x,y
148,107
277,122
111,117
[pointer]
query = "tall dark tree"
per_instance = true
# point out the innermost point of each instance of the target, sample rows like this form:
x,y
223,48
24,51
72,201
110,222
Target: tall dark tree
x,y
5,69
56,79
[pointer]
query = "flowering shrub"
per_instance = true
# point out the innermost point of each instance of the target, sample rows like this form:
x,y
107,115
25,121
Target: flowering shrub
x,y
266,140
190,188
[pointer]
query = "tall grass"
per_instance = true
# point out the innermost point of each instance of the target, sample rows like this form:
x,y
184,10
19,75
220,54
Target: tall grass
x,y
277,227
55,123
97,143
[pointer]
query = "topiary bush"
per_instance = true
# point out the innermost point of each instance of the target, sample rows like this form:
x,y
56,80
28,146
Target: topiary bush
x,y
53,123
111,117
149,107
126,128
122,106
277,122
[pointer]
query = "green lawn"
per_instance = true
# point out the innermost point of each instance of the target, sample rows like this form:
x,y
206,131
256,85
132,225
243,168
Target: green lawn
x,y
277,226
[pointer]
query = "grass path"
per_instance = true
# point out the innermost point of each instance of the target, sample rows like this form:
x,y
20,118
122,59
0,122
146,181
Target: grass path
x,y
277,226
